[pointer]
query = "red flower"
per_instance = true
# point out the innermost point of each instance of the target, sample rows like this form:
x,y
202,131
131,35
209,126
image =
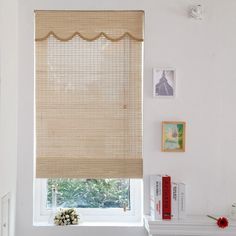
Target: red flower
x,y
222,222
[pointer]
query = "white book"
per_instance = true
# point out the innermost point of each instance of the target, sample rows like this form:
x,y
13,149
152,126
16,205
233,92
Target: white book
x,y
182,200
156,197
174,201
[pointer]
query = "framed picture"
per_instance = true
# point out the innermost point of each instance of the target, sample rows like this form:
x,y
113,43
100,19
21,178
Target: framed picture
x,y
173,136
164,83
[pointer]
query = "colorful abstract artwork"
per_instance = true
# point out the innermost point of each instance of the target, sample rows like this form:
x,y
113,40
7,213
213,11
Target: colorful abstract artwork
x,y
173,136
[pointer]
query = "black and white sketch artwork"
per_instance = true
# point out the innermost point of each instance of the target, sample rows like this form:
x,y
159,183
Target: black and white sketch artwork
x,y
164,83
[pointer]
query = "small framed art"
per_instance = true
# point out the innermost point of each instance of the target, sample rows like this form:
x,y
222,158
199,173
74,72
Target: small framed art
x,y
173,136
164,83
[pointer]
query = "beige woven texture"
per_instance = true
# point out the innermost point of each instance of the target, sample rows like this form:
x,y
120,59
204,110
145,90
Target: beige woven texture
x,y
89,24
88,108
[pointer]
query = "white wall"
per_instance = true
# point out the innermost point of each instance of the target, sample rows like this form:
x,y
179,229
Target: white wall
x,y
8,103
203,52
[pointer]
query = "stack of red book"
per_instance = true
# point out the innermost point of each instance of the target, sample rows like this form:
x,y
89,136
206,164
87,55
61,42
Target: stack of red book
x,y
167,199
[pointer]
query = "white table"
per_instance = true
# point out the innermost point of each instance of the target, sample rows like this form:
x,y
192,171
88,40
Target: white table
x,y
191,226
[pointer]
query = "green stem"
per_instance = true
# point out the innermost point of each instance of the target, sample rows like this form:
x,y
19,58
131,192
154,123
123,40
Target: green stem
x,y
212,217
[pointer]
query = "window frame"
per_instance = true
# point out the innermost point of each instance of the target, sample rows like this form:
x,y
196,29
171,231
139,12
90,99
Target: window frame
x,y
43,215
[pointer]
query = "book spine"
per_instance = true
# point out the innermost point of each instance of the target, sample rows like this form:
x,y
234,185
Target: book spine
x,y
166,197
174,201
182,200
159,197
152,198
156,197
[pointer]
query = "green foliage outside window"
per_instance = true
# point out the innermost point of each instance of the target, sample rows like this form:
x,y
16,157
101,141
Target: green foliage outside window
x,y
90,193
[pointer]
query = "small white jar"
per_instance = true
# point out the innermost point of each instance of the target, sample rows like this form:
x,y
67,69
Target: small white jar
x,y
233,211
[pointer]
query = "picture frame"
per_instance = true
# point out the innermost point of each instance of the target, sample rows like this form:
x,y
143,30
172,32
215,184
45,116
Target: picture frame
x,y
164,83
173,136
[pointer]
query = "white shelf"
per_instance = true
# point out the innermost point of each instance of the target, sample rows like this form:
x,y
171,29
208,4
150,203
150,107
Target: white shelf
x,y
191,226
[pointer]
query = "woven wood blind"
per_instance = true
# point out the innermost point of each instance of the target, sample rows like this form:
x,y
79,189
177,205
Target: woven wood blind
x,y
113,25
88,104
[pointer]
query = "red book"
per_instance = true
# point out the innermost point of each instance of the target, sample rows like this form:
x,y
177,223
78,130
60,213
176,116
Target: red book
x,y
166,197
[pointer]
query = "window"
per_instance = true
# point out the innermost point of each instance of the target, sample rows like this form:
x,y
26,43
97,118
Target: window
x,y
88,193
96,209
89,111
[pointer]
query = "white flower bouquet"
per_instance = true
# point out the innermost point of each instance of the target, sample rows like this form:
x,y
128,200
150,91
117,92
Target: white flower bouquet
x,y
66,217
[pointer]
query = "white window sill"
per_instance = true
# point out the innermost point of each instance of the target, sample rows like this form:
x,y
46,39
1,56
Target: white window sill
x,y
92,224
191,226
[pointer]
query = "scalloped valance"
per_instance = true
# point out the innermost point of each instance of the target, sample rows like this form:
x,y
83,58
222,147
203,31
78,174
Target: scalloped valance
x,y
89,25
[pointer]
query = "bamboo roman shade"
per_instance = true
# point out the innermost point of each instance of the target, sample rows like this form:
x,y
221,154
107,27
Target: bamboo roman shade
x,y
89,94
89,25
